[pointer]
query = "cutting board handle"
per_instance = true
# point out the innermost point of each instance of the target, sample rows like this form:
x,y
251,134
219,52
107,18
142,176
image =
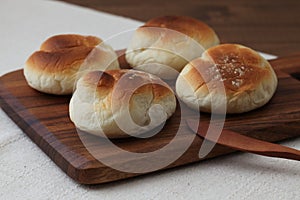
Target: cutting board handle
x,y
244,143
289,65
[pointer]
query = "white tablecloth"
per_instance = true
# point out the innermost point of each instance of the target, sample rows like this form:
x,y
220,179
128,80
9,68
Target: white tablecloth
x,y
27,173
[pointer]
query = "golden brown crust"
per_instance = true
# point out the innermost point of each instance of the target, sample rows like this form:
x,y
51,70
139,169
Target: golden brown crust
x,y
120,103
99,78
169,42
67,41
63,59
240,68
62,53
130,79
194,28
247,79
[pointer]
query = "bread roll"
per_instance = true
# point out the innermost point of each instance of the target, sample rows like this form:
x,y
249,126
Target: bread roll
x,y
164,45
116,103
62,59
248,79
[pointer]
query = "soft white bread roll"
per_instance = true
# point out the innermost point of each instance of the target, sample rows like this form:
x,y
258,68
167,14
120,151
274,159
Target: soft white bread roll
x,y
248,79
62,59
120,103
164,45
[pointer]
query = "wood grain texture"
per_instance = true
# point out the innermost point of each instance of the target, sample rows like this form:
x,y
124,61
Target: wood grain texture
x,y
264,25
244,143
45,119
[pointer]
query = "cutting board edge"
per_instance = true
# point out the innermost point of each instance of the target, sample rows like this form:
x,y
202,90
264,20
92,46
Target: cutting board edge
x,y
30,131
79,173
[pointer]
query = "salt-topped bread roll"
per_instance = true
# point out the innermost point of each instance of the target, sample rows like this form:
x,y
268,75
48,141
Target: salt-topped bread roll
x,y
62,59
248,79
164,45
120,103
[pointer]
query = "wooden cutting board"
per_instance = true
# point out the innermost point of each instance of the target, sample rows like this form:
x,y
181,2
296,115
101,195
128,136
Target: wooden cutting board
x,y
45,119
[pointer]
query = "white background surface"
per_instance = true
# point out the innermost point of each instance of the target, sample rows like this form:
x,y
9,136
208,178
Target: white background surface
x,y
27,173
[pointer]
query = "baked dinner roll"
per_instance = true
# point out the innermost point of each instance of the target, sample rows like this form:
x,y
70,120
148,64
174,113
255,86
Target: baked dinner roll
x,y
62,59
164,45
248,79
120,103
